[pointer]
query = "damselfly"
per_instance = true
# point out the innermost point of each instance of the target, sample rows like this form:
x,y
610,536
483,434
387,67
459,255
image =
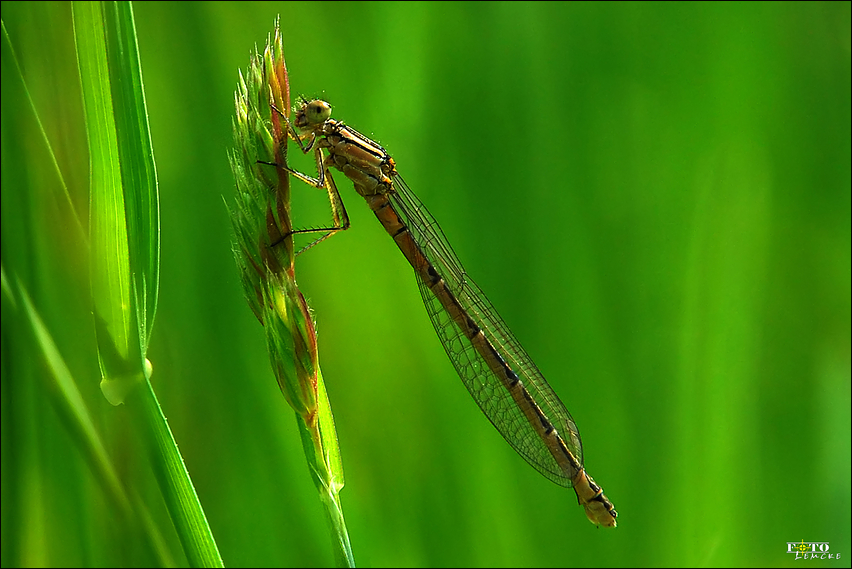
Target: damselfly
x,y
499,374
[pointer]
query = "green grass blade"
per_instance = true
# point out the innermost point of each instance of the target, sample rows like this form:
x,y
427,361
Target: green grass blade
x,y
18,80
124,237
169,468
138,170
70,405
124,201
119,346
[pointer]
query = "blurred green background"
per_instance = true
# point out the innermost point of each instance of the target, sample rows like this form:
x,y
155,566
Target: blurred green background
x,y
655,196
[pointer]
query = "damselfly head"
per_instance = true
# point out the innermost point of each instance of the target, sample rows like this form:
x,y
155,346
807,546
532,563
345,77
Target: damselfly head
x,y
312,114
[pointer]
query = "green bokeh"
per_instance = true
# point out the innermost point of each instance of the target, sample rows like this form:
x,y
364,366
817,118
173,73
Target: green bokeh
x,y
655,196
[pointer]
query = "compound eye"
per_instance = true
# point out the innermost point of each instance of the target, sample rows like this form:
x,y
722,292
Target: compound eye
x,y
318,111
